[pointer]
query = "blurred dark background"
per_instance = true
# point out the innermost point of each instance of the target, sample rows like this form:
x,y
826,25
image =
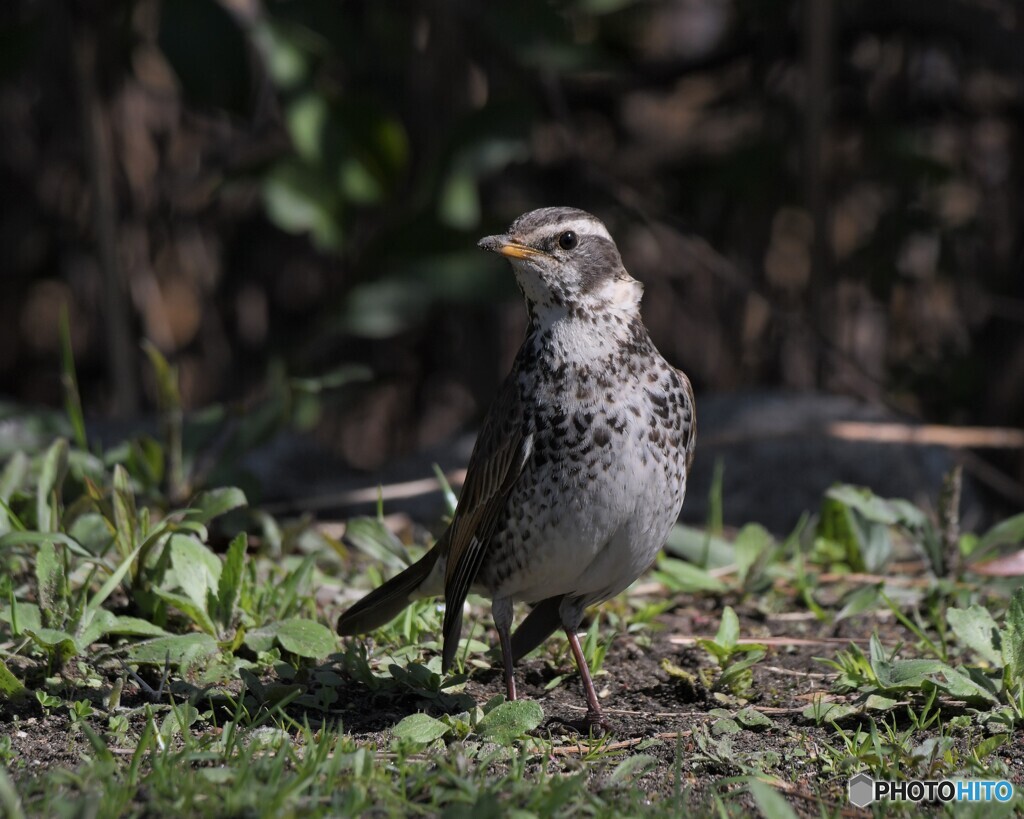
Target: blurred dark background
x,y
819,196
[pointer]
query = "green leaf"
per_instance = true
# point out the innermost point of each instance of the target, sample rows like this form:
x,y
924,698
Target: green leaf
x,y
420,728
197,570
90,631
216,502
770,802
306,120
860,601
11,479
51,478
681,576
373,538
125,514
962,684
1013,638
729,629
306,638
23,616
510,720
135,627
108,587
230,583
54,640
751,542
10,686
21,538
72,399
700,547
196,613
978,631
50,584
178,720
1005,532
876,509
631,767
182,649
753,720
821,711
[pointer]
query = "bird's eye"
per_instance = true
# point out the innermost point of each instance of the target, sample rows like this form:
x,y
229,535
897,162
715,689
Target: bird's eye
x,y
568,240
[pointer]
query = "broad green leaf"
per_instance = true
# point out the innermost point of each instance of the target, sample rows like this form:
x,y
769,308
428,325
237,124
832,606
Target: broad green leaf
x,y
420,728
135,627
876,702
729,629
876,509
10,686
51,479
260,639
196,613
24,615
51,586
180,718
752,719
631,767
961,684
216,502
11,479
230,583
770,802
860,601
92,629
197,570
698,546
181,649
55,640
125,514
681,576
306,638
821,711
751,542
1013,638
978,631
510,720
306,118
1007,531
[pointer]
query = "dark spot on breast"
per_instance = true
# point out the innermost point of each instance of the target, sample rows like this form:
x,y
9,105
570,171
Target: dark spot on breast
x,y
602,437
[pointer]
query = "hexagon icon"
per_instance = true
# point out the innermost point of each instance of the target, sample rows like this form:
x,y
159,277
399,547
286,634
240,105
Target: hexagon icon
x,y
862,790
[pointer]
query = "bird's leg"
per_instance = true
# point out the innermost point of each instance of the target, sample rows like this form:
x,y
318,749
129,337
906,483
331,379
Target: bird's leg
x,y
502,612
594,721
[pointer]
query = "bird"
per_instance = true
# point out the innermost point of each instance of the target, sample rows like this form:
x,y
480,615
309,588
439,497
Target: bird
x,y
579,471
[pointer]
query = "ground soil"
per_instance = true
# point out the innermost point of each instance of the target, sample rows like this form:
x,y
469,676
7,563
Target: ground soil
x,y
652,711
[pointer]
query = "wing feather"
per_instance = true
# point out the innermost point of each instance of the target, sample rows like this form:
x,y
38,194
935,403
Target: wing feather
x,y
499,455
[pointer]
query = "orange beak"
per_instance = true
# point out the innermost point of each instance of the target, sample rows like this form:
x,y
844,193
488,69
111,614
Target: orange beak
x,y
506,247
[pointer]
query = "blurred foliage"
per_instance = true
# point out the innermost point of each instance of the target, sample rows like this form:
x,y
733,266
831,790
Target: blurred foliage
x,y
300,183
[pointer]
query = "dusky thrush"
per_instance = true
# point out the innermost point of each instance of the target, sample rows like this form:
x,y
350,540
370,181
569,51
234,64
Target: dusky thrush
x,y
579,471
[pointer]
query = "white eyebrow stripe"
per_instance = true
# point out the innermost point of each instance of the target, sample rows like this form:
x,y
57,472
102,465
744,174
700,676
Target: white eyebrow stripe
x,y
581,227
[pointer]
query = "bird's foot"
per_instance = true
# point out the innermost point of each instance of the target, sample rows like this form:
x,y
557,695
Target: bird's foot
x,y
593,724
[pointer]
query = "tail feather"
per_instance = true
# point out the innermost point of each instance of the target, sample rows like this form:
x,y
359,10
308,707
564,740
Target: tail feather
x,y
540,623
385,603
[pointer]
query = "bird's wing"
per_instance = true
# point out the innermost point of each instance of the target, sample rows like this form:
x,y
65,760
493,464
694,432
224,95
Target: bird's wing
x,y
689,420
499,455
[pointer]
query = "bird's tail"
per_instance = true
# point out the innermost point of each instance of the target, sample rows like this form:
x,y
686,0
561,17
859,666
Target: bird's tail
x,y
384,603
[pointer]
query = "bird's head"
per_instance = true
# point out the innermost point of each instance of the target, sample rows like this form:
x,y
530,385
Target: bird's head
x,y
565,259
